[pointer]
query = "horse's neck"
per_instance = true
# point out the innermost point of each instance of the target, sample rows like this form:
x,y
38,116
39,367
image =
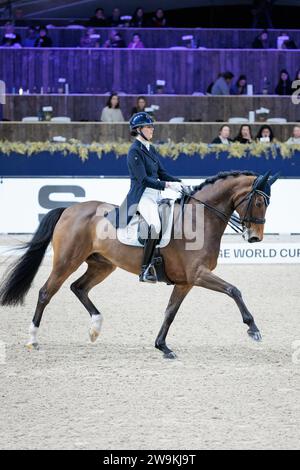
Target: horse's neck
x,y
218,196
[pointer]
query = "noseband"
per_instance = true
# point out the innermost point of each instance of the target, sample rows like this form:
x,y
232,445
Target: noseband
x,y
234,222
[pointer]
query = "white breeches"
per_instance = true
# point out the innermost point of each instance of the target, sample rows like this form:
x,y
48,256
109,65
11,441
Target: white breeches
x,y
148,207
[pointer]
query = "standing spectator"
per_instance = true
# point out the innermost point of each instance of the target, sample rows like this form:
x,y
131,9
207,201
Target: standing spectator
x,y
159,20
262,13
261,41
136,42
222,84
224,136
115,19
31,37
98,20
138,20
284,86
245,135
114,40
240,87
112,111
141,104
90,39
295,139
265,134
43,39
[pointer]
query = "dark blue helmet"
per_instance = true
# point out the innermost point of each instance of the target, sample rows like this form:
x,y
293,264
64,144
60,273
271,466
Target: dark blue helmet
x,y
140,119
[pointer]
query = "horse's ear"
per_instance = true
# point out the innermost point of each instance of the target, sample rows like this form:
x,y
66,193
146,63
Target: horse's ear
x,y
262,181
274,178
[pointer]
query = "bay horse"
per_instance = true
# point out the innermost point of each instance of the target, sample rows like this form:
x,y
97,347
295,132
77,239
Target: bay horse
x,y
77,235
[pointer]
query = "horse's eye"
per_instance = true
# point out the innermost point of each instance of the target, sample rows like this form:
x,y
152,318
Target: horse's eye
x,y
258,204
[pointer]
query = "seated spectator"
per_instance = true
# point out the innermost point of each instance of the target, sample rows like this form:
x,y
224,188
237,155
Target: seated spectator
x,y
98,20
289,44
240,87
209,88
136,42
141,104
222,84
90,39
159,20
10,37
115,19
284,86
245,135
114,40
112,111
224,136
138,20
265,134
43,39
19,20
295,139
31,37
261,41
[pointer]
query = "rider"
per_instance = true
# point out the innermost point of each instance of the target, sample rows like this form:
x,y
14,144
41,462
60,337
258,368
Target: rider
x,y
148,179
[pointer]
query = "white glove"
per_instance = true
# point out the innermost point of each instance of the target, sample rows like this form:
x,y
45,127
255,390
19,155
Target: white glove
x,y
174,186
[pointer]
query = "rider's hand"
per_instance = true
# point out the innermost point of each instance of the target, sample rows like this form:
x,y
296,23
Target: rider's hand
x,y
174,186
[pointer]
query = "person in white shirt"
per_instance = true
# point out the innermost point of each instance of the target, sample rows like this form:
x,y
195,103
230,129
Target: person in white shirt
x,y
295,139
112,111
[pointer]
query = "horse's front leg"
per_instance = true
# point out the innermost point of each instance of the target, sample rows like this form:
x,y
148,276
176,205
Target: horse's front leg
x,y
207,279
178,294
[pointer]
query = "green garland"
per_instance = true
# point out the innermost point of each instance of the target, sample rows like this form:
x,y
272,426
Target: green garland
x,y
168,150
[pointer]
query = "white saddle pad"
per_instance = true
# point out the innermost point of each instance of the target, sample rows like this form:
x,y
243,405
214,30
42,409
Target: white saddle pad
x,y
129,235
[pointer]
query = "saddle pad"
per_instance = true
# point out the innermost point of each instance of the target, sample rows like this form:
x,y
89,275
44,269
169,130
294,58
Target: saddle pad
x,y
129,235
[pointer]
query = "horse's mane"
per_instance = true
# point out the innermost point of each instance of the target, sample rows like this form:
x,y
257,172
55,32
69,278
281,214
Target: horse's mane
x,y
221,175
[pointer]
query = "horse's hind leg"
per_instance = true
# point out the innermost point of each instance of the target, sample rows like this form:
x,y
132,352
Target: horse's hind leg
x,y
98,269
60,272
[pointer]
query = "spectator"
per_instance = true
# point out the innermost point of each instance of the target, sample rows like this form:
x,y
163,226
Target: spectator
x,y
141,104
224,136
289,44
262,13
114,40
10,37
284,86
138,19
295,139
31,37
159,20
115,19
209,88
19,20
245,135
136,42
265,134
112,111
98,20
43,39
90,39
261,41
222,84
240,87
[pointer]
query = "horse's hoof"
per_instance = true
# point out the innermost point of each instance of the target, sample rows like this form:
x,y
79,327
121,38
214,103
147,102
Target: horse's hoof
x,y
32,346
93,333
255,335
170,355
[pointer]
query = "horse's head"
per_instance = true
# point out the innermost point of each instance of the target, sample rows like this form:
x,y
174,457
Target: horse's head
x,y
251,204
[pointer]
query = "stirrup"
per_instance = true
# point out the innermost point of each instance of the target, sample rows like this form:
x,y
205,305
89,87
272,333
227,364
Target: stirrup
x,y
148,274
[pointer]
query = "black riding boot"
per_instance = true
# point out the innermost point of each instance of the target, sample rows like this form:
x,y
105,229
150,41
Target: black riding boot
x,y
148,273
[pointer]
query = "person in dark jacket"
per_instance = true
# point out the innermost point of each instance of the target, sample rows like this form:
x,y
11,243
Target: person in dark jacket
x,y
43,40
148,178
245,135
262,41
284,86
224,136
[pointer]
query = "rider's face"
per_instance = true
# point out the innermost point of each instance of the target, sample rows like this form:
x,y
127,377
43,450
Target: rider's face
x,y
148,132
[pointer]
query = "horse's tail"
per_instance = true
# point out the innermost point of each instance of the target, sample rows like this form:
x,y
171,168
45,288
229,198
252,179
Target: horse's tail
x,y
21,273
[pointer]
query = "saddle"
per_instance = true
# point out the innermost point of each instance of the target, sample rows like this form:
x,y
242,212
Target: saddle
x,y
136,233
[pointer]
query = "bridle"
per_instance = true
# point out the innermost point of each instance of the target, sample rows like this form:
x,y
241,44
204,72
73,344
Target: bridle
x,y
234,222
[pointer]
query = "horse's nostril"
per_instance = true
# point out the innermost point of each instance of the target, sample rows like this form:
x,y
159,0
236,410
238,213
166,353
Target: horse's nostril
x,y
253,240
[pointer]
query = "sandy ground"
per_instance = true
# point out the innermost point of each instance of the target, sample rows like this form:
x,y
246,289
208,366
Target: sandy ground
x,y
223,391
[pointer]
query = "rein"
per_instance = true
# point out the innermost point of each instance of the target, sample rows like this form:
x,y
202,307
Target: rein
x,y
234,222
